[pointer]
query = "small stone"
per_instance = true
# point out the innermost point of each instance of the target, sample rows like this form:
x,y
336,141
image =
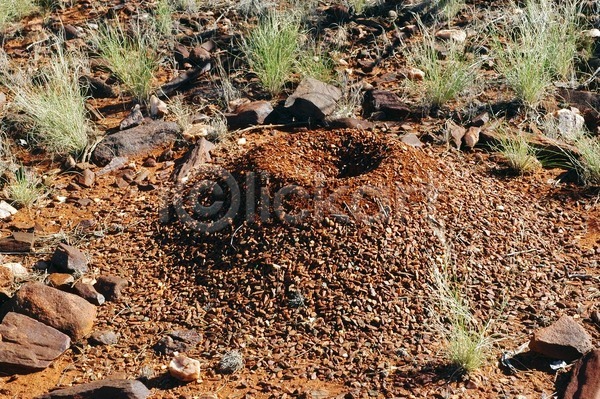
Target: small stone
x,y
242,141
69,259
471,137
184,368
593,33
480,119
59,280
585,378
569,123
197,131
89,293
412,140
158,108
456,132
177,341
565,339
111,287
104,337
249,114
385,105
16,269
6,210
149,162
415,74
456,35
66,312
104,389
86,179
231,362
134,118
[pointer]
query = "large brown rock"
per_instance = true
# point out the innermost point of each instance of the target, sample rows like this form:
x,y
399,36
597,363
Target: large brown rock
x,y
565,339
313,100
66,312
27,345
136,141
105,389
585,378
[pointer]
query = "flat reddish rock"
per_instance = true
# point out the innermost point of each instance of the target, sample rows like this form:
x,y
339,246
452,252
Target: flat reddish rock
x,y
66,312
565,339
585,378
105,389
27,345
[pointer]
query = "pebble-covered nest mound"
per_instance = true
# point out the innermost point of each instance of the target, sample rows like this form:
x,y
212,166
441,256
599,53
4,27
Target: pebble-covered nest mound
x,y
346,295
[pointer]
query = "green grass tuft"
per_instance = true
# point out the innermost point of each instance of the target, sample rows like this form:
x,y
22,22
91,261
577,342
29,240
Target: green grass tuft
x,y
444,79
132,58
13,10
272,48
520,156
54,103
468,343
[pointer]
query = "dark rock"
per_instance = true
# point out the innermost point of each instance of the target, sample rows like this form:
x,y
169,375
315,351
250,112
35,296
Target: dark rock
x,y
565,339
313,100
19,242
480,119
412,140
149,162
69,259
136,141
27,345
351,123
111,287
386,104
585,378
105,389
86,179
105,337
199,56
249,114
134,118
72,32
96,88
66,312
177,341
89,293
337,13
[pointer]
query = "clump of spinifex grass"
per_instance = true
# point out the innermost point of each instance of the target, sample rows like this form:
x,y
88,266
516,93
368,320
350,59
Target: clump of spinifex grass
x,y
13,10
588,162
272,47
539,46
445,79
25,188
467,340
131,56
520,156
54,102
